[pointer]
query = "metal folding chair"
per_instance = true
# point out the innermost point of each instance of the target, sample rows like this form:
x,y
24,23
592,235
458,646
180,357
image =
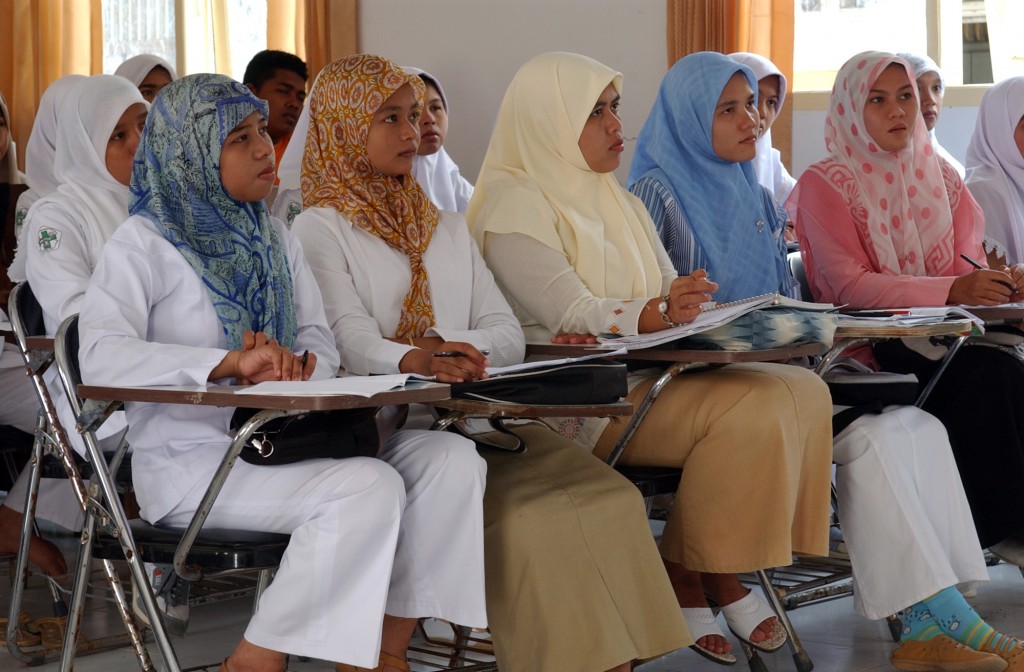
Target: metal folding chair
x,y
109,536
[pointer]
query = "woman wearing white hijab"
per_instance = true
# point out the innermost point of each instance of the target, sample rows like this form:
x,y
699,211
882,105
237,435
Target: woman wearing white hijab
x,y
148,72
99,123
285,202
433,168
931,86
771,94
995,167
39,158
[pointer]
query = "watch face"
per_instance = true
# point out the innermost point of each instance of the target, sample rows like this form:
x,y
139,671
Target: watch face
x,y
663,307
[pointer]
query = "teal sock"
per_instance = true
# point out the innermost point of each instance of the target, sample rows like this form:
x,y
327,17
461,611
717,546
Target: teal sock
x,y
918,623
957,619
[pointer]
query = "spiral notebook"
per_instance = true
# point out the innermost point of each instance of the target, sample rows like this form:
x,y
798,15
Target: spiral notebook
x,y
712,316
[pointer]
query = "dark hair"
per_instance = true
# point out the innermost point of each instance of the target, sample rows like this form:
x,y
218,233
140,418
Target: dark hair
x,y
262,67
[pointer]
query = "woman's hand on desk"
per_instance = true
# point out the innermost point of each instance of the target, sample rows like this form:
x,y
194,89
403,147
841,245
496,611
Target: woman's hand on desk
x,y
984,287
262,359
450,361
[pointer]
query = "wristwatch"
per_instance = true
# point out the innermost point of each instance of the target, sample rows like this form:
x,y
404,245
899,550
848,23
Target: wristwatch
x,y
663,311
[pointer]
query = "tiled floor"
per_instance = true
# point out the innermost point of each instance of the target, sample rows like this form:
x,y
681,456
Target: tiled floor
x,y
837,639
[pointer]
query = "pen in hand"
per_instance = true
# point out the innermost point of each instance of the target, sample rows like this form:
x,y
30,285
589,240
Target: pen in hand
x,y
305,360
457,354
978,266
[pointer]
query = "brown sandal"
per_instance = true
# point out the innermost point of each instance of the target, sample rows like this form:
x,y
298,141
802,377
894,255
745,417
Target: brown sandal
x,y
385,659
25,637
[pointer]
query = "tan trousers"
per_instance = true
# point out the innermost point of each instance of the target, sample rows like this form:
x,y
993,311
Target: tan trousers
x,y
755,445
574,580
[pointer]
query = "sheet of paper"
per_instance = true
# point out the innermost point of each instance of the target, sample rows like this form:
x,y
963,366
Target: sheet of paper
x,y
705,321
527,366
362,386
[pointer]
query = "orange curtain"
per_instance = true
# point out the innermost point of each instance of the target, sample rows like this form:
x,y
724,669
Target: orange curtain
x,y
317,31
41,41
762,26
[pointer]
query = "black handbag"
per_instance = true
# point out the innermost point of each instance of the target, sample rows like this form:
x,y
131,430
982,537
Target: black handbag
x,y
360,432
593,382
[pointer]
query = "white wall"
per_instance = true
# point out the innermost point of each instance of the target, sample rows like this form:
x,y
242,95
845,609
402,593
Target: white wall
x,y
475,47
954,132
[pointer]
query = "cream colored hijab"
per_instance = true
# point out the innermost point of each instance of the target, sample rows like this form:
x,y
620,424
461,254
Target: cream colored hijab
x,y
535,181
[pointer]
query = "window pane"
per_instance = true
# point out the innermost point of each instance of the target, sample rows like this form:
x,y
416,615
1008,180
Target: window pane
x,y
828,32
248,21
131,28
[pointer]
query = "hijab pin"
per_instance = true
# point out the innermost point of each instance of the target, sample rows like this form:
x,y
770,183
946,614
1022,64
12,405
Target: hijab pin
x,y
760,225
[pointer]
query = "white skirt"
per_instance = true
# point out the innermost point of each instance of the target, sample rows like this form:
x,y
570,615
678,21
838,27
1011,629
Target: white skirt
x,y
902,508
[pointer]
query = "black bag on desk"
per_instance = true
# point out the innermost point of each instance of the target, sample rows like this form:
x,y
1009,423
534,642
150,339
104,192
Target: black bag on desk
x,y
360,432
593,382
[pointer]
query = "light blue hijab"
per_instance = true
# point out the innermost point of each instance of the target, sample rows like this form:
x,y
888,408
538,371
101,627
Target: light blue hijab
x,y
721,200
230,244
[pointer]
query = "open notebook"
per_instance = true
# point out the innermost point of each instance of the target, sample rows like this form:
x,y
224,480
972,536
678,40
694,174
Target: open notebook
x,y
713,315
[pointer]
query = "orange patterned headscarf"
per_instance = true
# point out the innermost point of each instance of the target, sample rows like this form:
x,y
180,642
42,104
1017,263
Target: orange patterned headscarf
x,y
337,173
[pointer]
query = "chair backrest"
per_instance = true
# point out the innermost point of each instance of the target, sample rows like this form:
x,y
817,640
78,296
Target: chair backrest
x,y
796,267
65,349
25,313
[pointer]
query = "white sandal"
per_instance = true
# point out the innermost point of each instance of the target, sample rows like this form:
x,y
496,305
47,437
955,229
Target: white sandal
x,y
701,622
745,614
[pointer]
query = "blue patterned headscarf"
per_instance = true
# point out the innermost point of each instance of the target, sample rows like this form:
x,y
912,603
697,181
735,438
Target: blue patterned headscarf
x,y
176,184
721,200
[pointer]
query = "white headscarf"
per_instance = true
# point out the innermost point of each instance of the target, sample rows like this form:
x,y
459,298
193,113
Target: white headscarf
x,y
9,173
771,174
922,65
39,157
87,189
995,167
536,181
136,68
437,173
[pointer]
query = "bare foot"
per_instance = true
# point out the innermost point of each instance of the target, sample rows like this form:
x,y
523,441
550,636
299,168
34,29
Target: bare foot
x,y
690,593
726,589
41,552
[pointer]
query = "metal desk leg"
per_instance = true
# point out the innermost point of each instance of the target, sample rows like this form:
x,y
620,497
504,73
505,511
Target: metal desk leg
x,y
828,360
953,349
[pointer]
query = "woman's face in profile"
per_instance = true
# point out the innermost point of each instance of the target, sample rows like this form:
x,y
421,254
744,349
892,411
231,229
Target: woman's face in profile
x,y
601,139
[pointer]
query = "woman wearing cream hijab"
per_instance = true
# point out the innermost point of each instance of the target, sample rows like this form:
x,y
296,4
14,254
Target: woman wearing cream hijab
x,y
9,173
754,441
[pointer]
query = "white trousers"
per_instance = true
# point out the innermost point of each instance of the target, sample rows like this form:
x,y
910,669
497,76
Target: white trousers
x,y
903,511
402,535
19,408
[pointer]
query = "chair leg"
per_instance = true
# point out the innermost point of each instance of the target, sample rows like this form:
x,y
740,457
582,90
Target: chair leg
x,y
754,660
20,573
124,609
801,659
78,594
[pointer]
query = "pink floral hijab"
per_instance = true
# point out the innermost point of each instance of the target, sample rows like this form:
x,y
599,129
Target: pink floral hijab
x,y
901,202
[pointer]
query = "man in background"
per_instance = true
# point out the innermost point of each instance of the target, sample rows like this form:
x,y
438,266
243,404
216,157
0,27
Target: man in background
x,y
280,79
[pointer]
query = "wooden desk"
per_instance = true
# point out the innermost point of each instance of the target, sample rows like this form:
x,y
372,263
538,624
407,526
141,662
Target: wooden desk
x,y
227,396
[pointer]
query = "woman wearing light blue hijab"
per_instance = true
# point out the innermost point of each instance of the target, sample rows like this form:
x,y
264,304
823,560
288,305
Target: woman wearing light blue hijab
x,y
201,284
707,205
897,481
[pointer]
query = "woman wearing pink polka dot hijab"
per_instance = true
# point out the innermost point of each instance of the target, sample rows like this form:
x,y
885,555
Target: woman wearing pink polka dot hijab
x,y
883,222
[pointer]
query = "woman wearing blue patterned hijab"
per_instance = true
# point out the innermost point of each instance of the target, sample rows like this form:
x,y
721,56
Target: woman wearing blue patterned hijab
x,y
693,170
178,183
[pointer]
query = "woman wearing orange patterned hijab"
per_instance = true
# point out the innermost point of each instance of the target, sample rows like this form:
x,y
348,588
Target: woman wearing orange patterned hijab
x,y
338,170
402,282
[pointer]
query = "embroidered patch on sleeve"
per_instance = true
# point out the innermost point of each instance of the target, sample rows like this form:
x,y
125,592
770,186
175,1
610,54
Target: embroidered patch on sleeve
x,y
49,239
